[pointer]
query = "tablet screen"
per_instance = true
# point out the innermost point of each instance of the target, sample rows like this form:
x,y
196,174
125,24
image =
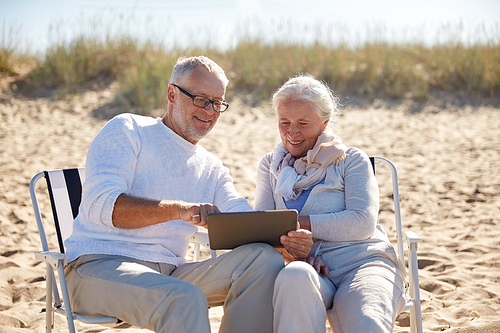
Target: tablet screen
x,y
229,230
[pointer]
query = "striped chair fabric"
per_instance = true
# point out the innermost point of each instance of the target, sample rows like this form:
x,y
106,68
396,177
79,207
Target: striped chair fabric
x,y
65,191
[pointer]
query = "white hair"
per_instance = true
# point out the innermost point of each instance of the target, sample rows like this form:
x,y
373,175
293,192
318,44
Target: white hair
x,y
307,88
186,64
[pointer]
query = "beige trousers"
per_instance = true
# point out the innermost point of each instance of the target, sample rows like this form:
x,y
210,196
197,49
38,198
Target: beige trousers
x,y
163,298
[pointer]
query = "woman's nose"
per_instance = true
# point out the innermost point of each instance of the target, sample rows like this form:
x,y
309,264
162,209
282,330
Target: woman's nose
x,y
294,130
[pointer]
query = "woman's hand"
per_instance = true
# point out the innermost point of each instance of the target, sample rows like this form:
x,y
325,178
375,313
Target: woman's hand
x,y
318,264
297,244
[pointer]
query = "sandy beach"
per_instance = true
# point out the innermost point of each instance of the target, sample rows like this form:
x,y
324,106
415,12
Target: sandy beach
x,y
447,155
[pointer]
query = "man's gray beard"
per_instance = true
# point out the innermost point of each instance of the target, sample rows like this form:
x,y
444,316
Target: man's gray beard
x,y
192,133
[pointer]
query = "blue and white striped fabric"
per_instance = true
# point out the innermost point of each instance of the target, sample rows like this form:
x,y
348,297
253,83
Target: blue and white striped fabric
x,y
65,190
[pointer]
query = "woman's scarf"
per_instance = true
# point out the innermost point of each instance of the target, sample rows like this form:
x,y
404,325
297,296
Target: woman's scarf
x,y
294,176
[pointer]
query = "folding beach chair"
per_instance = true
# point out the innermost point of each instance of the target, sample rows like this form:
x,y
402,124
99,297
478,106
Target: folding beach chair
x,y
405,240
65,192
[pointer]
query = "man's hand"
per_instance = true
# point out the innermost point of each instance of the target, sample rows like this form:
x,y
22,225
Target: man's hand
x,y
196,213
318,264
297,243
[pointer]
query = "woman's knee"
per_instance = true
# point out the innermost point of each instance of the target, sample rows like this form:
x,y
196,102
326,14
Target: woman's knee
x,y
297,274
298,284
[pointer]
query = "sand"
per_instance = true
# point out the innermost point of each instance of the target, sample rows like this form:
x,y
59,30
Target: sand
x,y
448,159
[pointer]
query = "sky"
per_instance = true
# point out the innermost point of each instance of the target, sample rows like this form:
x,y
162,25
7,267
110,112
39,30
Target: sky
x,y
35,24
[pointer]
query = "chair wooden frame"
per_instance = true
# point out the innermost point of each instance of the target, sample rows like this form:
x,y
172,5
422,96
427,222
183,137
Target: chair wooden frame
x,y
411,240
65,190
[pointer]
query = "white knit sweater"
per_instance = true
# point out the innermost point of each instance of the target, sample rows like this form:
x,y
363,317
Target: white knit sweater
x,y
142,157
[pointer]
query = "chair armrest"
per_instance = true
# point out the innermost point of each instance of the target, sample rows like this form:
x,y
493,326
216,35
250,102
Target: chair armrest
x,y
53,258
411,237
201,238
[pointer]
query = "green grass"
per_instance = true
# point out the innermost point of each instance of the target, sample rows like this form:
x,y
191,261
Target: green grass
x,y
374,69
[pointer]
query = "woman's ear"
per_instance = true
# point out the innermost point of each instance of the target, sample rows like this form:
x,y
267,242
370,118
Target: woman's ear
x,y
325,123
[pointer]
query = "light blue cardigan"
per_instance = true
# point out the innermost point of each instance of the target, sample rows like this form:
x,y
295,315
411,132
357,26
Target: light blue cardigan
x,y
342,209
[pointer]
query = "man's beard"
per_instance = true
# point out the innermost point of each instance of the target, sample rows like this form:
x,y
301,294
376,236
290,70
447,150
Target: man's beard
x,y
191,132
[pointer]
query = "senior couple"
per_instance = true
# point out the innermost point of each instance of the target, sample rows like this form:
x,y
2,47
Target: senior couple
x,y
150,185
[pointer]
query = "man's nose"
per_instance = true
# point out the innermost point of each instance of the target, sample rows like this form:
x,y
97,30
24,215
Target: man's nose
x,y
209,108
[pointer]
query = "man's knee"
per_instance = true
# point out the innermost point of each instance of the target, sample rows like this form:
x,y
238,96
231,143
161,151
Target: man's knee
x,y
256,262
264,250
265,254
184,295
195,297
171,307
183,288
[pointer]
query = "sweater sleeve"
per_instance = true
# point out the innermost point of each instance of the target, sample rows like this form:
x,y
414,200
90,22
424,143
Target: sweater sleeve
x,y
110,165
357,221
264,196
227,198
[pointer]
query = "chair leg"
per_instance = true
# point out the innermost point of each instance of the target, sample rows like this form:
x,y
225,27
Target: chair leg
x,y
415,311
48,299
67,305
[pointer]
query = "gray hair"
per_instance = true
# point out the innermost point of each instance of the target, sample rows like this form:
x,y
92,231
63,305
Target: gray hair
x,y
186,64
307,88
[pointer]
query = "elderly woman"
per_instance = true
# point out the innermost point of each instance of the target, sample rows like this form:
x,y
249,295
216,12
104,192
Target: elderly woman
x,y
352,274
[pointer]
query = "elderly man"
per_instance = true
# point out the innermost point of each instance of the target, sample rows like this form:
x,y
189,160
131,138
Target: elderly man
x,y
149,185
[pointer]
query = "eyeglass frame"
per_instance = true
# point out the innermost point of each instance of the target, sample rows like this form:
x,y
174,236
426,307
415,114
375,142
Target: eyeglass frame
x,y
210,101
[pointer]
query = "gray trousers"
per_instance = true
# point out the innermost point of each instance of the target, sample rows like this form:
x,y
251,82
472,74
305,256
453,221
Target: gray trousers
x,y
164,298
363,292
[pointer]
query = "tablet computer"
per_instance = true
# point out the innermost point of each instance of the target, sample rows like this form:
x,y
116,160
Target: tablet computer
x,y
229,230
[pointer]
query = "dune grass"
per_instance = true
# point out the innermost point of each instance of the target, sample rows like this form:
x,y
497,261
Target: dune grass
x,y
7,51
69,65
374,69
7,61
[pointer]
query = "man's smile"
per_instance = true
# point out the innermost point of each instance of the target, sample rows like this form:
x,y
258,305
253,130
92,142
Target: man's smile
x,y
202,120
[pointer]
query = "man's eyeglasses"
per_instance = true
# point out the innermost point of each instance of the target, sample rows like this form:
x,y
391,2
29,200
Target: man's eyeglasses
x,y
202,101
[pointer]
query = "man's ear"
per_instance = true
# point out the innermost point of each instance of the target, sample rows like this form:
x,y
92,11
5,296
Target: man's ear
x,y
171,93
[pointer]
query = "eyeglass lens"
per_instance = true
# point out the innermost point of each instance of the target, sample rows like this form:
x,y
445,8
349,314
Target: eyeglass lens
x,y
202,102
